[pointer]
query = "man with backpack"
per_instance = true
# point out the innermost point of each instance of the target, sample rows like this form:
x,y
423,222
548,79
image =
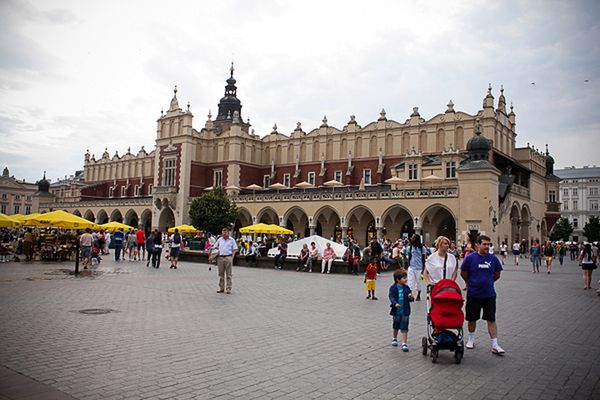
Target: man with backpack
x,y
175,240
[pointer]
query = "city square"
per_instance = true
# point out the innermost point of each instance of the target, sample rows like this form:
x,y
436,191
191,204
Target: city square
x,y
279,335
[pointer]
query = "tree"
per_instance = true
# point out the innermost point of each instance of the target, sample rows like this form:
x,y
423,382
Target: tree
x,y
591,230
562,230
213,211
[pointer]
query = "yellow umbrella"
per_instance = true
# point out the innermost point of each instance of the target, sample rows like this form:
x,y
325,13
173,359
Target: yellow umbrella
x,y
8,222
23,218
256,228
279,230
184,229
114,226
59,219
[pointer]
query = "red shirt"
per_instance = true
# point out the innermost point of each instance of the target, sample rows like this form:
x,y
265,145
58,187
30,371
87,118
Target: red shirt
x,y
140,236
371,272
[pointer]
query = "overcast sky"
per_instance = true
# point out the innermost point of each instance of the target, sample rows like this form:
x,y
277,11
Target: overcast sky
x,y
95,74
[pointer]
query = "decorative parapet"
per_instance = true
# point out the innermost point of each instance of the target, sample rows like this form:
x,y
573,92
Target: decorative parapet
x,y
327,194
112,202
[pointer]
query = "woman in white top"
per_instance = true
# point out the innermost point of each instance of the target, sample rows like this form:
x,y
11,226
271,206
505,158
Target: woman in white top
x,y
434,266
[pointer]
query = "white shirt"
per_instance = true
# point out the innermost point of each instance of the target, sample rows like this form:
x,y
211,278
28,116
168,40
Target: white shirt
x,y
516,246
435,266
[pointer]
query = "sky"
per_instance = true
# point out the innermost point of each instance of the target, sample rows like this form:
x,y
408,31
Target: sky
x,y
77,75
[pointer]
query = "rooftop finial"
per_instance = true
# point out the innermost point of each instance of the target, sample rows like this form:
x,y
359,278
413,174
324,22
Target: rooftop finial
x,y
44,174
489,88
477,127
547,152
188,106
175,90
232,69
502,89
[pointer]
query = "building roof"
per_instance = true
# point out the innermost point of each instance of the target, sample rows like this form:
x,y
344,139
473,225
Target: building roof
x,y
578,173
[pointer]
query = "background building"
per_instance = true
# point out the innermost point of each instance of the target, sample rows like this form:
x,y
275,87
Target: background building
x,y
454,173
579,196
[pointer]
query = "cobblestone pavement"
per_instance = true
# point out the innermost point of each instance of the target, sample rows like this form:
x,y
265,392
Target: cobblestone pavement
x,y
280,335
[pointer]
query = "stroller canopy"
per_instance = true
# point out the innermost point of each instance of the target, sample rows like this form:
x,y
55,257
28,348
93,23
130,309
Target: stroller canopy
x,y
446,305
446,289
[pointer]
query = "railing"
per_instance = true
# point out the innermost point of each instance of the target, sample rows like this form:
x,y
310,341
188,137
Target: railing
x,y
341,194
164,189
552,207
521,190
113,201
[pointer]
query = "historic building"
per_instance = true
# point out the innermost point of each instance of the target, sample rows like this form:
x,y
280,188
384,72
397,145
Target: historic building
x,y
579,196
451,174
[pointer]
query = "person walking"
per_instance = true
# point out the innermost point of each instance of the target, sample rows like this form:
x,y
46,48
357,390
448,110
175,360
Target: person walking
x,y
503,251
132,245
480,270
149,248
588,260
536,256
175,240
561,249
441,264
226,247
516,252
85,241
548,255
400,297
328,257
140,238
118,239
416,261
157,248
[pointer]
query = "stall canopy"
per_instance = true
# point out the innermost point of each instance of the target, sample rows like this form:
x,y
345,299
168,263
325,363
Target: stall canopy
x,y
59,219
295,247
184,229
270,229
8,222
114,226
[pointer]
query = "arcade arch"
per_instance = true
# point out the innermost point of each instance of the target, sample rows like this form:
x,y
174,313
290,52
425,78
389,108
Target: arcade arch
x,y
327,222
116,216
267,216
438,220
244,218
296,220
146,220
101,217
131,218
515,222
77,213
89,215
398,222
166,219
361,225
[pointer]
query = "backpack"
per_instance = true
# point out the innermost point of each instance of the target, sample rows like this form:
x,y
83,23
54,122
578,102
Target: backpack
x,y
177,238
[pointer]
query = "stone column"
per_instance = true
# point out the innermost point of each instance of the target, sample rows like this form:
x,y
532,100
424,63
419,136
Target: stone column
x,y
312,229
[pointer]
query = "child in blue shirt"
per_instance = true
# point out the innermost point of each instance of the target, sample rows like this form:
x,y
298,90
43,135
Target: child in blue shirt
x,y
400,297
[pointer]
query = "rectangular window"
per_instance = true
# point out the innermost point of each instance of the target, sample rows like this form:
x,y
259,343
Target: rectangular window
x,y
311,178
286,180
27,210
17,209
111,192
28,198
575,205
575,192
451,169
169,176
136,191
217,178
4,197
150,189
17,197
266,181
594,205
367,176
3,208
593,191
566,206
123,189
575,223
337,175
566,192
551,196
413,172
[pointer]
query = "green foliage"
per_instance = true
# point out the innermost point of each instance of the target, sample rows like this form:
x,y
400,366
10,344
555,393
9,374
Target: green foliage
x,y
591,230
213,211
562,230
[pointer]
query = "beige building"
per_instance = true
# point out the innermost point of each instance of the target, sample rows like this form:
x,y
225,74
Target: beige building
x,y
17,196
450,174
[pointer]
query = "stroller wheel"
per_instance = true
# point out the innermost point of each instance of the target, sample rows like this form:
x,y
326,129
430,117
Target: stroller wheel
x,y
424,344
458,355
434,355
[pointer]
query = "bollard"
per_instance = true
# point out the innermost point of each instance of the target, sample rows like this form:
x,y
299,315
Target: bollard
x,y
76,256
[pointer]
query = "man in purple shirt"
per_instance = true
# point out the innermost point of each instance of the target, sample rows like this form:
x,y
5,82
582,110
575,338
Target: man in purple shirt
x,y
480,270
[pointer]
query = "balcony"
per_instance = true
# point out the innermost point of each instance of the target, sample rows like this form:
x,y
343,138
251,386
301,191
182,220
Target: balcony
x,y
553,207
383,192
520,190
164,190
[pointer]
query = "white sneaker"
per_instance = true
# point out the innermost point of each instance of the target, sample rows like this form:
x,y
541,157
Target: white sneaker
x,y
470,343
498,350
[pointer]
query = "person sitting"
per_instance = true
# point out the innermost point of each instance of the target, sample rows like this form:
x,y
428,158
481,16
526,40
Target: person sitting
x,y
251,254
313,255
328,257
303,257
280,258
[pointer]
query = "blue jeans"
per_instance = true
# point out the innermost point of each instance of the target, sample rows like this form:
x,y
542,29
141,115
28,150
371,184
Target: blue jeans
x,y
561,258
118,251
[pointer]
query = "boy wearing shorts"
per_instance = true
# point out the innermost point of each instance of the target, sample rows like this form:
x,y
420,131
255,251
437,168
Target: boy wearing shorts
x,y
371,278
400,298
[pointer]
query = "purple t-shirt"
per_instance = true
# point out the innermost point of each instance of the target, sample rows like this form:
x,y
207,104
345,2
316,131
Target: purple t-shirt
x,y
480,282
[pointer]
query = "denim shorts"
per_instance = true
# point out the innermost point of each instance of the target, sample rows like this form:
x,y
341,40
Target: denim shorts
x,y
401,323
85,251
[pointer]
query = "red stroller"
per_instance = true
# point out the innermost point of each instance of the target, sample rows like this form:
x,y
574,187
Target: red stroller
x,y
445,315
